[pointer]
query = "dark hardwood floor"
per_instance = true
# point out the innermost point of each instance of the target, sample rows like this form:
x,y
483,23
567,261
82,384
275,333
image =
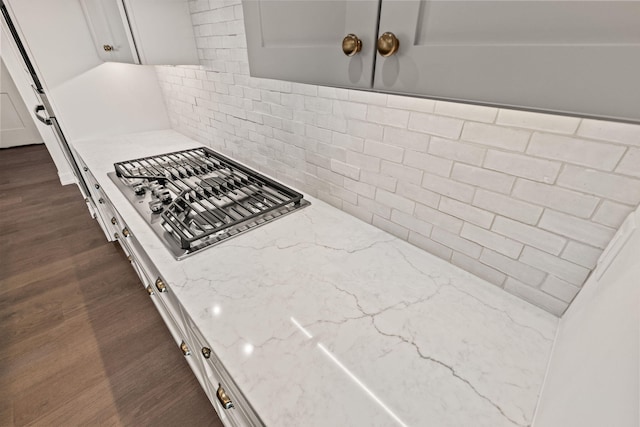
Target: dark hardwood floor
x,y
81,344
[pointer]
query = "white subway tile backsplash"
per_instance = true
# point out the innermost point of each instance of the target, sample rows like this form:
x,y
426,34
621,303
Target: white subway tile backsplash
x,y
507,206
430,245
447,169
387,116
538,121
630,164
535,296
419,194
584,255
532,236
405,138
390,227
403,173
492,240
522,165
395,201
578,229
448,187
457,151
483,178
411,103
577,151
555,197
435,125
623,133
513,268
613,187
496,136
384,151
565,270
559,288
611,214
465,212
456,243
345,169
426,162
477,113
473,266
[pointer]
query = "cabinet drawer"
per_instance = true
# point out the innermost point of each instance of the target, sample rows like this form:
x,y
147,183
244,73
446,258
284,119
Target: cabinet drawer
x,y
242,414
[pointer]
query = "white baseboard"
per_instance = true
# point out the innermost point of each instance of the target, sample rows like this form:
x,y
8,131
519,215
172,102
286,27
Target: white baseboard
x,y
67,178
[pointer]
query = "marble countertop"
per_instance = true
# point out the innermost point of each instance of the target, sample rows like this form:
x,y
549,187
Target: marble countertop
x,y
323,320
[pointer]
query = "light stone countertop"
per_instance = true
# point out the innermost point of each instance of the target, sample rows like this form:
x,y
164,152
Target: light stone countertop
x,y
323,320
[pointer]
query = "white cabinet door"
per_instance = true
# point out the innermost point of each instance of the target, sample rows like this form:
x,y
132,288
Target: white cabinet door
x,y
301,40
566,56
151,32
107,26
162,31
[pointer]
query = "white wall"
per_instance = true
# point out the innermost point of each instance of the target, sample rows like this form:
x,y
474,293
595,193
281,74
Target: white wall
x,y
527,201
594,373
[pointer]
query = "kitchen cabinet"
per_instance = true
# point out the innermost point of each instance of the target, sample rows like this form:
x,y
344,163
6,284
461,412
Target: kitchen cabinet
x,y
142,31
569,57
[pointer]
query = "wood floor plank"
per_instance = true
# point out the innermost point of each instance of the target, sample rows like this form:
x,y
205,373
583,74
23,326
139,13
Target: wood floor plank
x,y
81,343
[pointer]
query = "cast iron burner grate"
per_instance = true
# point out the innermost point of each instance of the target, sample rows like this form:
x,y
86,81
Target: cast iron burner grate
x,y
204,197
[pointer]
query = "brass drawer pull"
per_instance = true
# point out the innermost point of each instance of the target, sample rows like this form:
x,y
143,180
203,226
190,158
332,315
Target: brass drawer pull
x,y
185,349
125,232
351,45
160,285
206,352
86,169
223,398
97,186
149,290
388,44
114,221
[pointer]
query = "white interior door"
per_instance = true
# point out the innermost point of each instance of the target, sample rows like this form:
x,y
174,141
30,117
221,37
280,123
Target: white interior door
x,y
579,57
16,125
301,40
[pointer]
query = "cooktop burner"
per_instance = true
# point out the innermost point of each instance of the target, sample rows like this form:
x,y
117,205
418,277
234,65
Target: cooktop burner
x,y
197,198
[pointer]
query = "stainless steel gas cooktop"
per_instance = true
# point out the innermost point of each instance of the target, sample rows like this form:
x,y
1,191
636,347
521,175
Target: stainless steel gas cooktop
x,y
197,198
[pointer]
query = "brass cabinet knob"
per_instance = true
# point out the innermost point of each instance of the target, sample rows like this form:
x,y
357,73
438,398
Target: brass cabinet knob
x,y
125,232
149,290
206,352
101,201
388,44
97,186
107,47
114,221
351,45
223,398
86,169
160,285
184,348
129,258
116,236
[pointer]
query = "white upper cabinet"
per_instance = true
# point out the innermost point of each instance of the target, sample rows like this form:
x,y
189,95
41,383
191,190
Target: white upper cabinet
x,y
152,32
576,57
302,40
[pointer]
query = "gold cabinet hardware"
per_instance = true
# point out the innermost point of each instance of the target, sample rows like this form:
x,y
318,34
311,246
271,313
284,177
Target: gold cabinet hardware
x,y
129,258
114,221
388,44
149,290
206,352
223,398
116,236
184,348
107,47
351,45
97,186
160,285
125,232
101,201
86,169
